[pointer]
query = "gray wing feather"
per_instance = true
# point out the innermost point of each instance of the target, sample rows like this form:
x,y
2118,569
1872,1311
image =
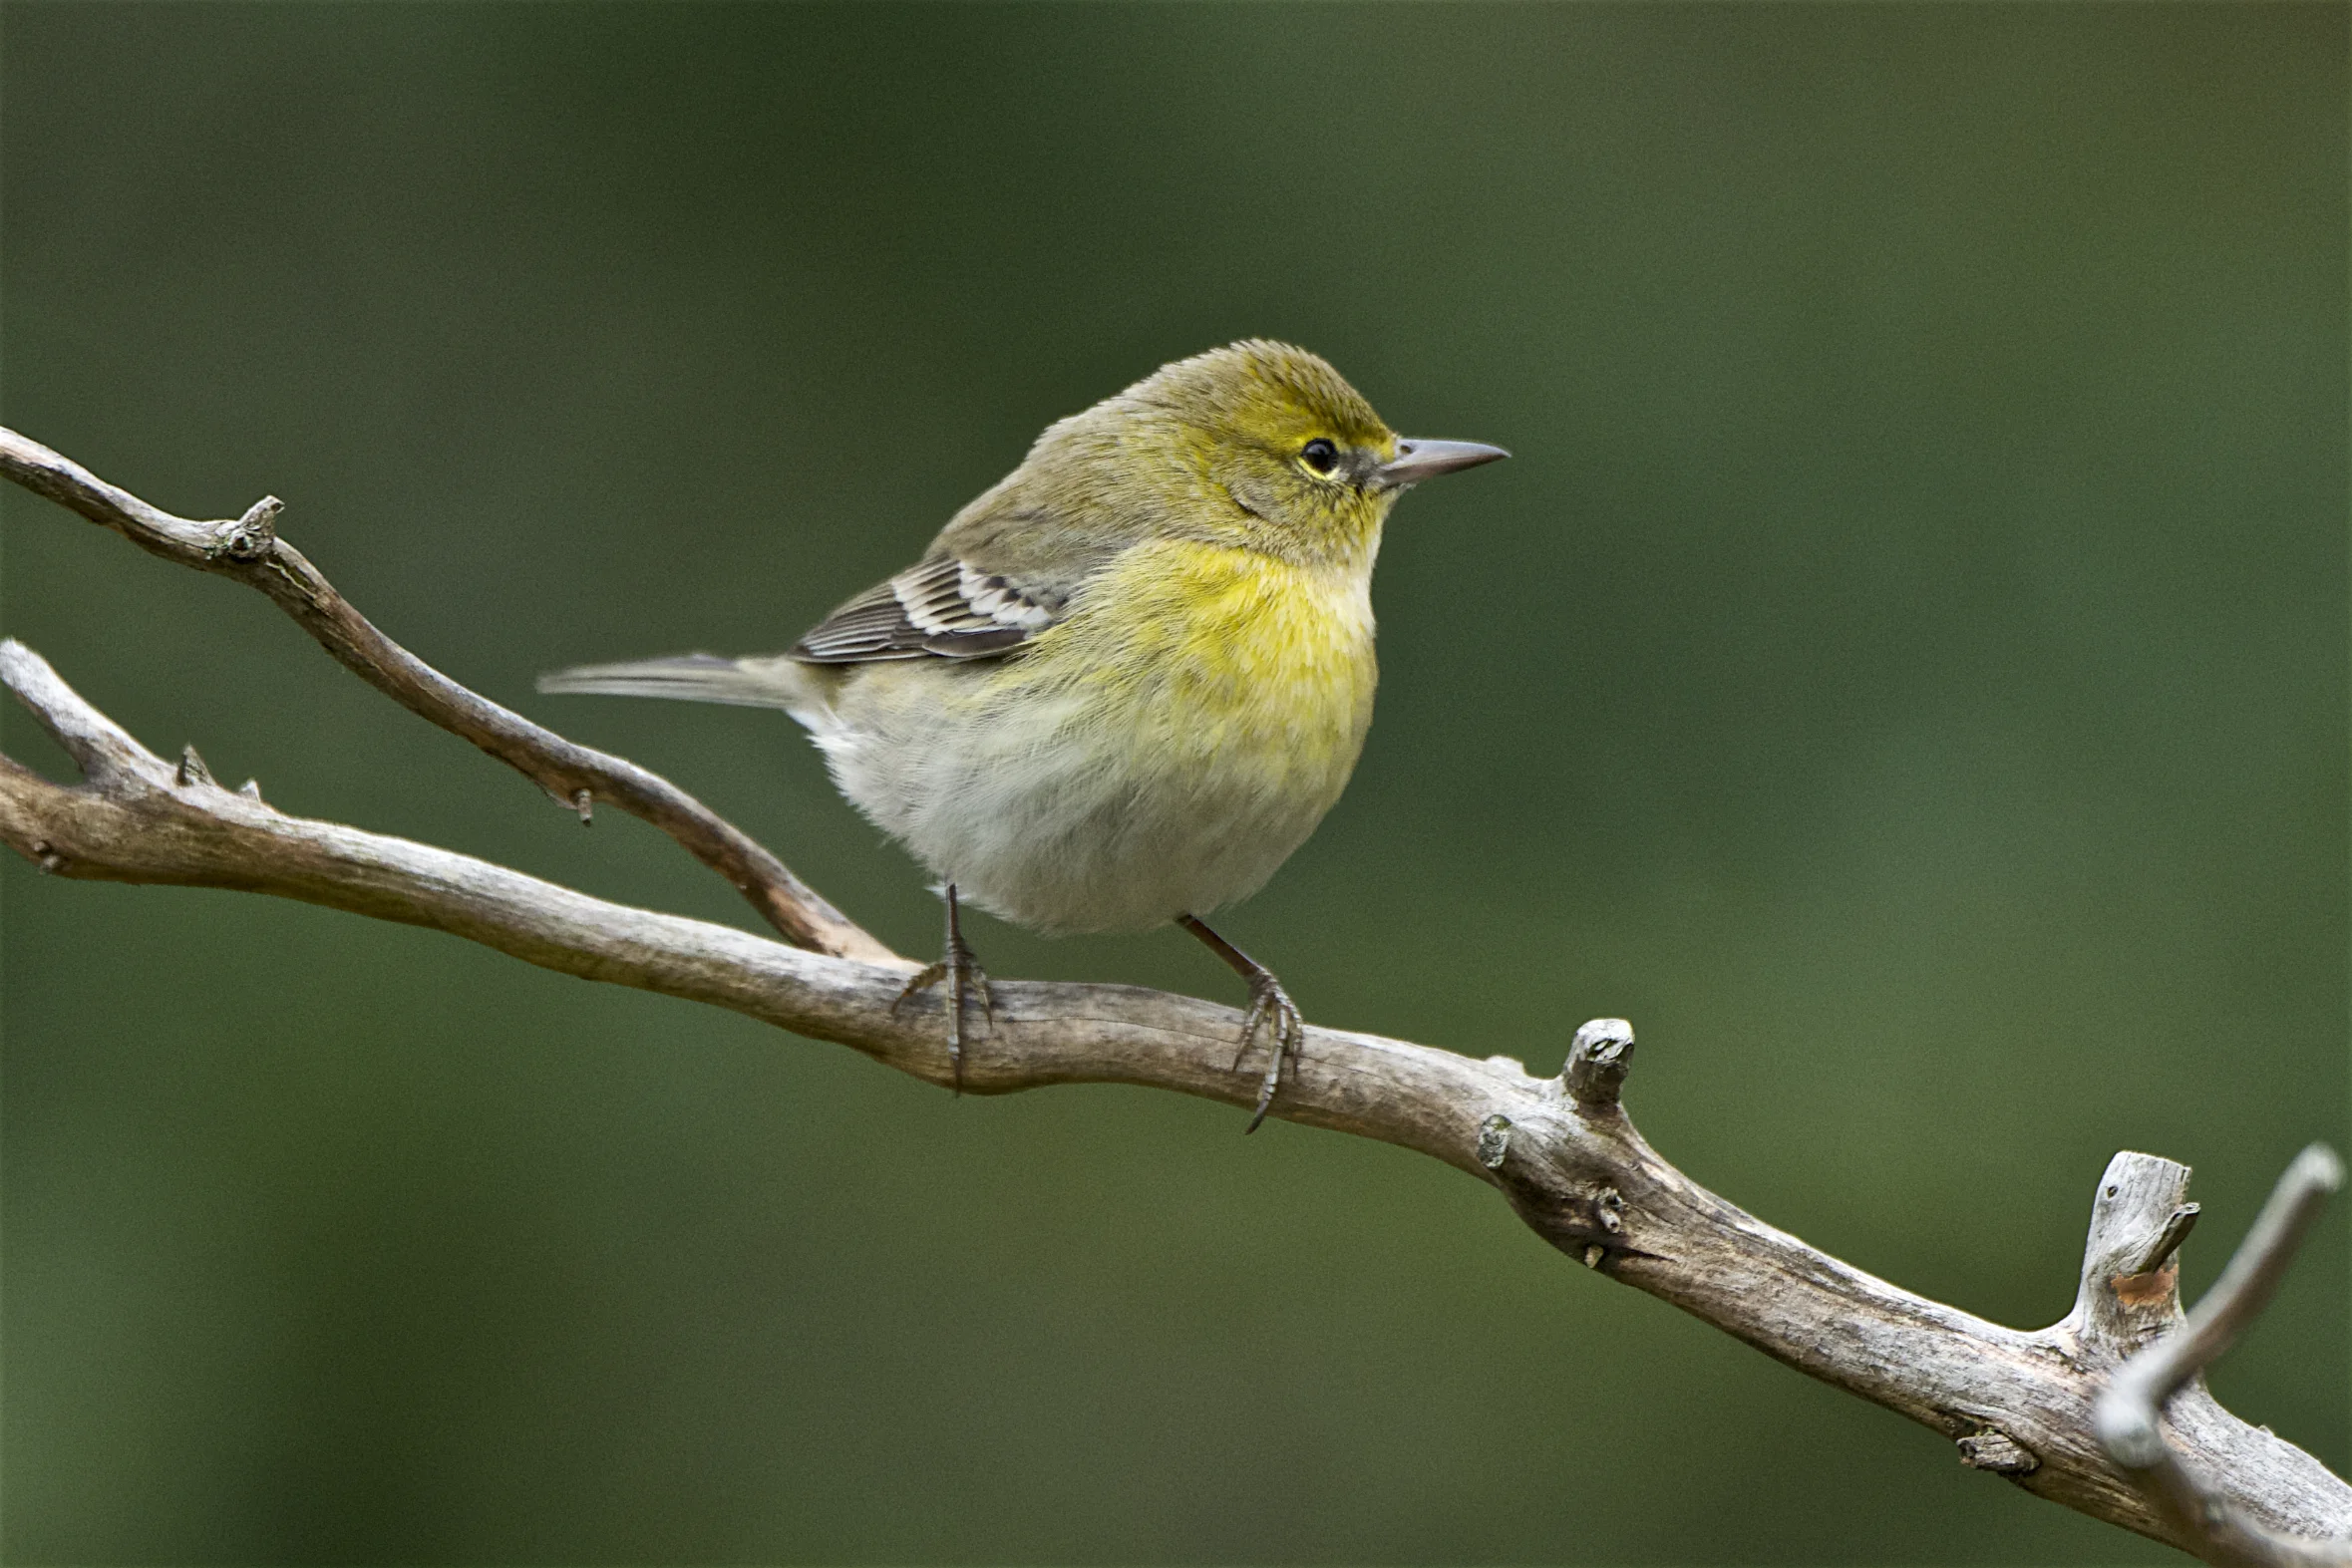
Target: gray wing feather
x,y
939,608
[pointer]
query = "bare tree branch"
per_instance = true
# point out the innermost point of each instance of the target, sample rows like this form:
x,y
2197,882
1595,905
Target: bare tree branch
x,y
1563,1151
2017,1403
249,550
2126,1418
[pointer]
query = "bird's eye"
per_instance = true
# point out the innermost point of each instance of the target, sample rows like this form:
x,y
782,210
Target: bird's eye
x,y
1319,455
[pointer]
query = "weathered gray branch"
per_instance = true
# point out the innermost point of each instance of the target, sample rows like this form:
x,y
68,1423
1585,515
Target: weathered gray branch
x,y
1562,1151
2126,1417
249,550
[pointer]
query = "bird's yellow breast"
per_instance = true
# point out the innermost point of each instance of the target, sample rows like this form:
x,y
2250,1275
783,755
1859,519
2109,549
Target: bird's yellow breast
x,y
1224,661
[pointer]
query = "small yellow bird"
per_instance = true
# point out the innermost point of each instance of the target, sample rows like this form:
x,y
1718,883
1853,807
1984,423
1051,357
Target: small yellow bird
x,y
1122,686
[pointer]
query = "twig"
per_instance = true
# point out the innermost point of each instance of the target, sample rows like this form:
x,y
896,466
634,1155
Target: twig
x,y
2126,1416
249,550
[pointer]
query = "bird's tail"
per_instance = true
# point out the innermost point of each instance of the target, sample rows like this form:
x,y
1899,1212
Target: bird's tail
x,y
693,678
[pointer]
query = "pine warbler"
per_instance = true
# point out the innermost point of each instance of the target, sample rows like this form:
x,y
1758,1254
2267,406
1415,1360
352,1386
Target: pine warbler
x,y
1125,684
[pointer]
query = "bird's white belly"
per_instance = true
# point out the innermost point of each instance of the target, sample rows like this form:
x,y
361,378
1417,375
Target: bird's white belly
x,y
1075,836
1076,850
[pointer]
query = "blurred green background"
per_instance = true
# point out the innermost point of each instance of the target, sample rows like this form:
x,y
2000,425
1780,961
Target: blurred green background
x,y
1904,671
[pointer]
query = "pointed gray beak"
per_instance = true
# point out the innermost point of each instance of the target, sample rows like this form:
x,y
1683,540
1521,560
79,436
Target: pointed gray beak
x,y
1426,460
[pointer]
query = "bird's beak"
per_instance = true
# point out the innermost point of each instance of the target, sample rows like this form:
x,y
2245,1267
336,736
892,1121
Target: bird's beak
x,y
1426,460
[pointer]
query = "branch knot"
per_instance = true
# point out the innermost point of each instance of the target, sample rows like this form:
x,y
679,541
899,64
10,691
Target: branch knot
x,y
251,537
1990,1448
1494,1142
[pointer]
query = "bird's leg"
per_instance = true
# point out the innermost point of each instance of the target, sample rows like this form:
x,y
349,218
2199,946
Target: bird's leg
x,y
960,969
1270,1003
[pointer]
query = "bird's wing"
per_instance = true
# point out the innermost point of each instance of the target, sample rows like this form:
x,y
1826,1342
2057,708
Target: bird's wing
x,y
943,607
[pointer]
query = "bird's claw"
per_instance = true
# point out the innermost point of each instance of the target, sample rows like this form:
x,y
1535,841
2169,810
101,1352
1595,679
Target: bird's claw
x,y
1269,1005
963,972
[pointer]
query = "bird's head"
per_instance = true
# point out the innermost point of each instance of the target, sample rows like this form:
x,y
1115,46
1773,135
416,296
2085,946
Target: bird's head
x,y
1257,444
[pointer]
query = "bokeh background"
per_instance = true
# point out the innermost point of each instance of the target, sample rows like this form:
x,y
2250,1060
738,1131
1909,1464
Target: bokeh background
x,y
1904,670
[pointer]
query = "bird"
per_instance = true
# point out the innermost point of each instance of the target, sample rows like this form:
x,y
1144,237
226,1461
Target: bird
x,y
1125,683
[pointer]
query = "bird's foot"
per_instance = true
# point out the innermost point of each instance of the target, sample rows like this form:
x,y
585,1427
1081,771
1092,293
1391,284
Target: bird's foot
x,y
963,974
1271,1008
